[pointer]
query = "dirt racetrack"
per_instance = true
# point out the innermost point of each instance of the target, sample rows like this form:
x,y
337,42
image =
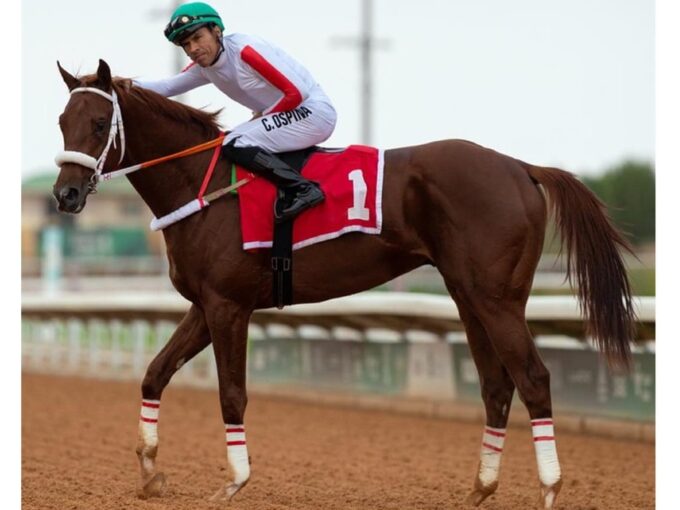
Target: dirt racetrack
x,y
78,441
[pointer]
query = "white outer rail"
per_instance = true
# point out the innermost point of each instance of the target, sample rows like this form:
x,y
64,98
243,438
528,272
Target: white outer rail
x,y
114,336
403,304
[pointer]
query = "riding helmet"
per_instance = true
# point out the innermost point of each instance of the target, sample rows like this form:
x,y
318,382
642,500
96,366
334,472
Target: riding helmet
x,y
188,18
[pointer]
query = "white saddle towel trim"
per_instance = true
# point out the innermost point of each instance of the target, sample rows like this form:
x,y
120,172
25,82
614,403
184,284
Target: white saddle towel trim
x,y
75,157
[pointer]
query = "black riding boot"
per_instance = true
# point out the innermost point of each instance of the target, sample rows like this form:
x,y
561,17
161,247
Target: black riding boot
x,y
262,162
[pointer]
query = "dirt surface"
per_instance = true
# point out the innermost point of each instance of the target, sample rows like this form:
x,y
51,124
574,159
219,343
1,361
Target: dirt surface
x,y
78,441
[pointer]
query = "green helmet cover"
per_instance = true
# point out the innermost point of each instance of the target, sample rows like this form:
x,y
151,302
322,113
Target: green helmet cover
x,y
188,18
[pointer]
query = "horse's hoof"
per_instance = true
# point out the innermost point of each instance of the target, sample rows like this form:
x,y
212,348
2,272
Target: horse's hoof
x,y
153,487
548,495
226,492
476,497
480,493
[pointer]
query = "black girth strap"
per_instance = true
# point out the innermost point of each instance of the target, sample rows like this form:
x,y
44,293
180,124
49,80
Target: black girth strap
x,y
282,255
282,244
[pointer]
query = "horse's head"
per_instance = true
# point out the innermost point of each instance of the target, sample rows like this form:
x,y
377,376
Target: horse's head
x,y
89,125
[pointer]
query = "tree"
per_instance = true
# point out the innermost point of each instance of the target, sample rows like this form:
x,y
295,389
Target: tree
x,y
628,190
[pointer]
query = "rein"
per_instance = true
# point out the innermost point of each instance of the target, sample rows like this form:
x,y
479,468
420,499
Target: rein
x,y
117,128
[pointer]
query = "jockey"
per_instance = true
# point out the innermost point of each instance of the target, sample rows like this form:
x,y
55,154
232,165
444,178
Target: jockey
x,y
291,111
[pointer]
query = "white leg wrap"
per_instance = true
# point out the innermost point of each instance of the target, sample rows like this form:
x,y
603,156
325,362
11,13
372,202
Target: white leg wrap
x,y
546,451
490,457
148,421
237,453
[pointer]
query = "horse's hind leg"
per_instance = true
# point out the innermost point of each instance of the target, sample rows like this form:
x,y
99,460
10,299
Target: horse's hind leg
x,y
190,338
497,390
491,282
504,321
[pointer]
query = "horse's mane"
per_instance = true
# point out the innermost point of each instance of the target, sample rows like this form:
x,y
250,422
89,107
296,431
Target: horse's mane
x,y
207,121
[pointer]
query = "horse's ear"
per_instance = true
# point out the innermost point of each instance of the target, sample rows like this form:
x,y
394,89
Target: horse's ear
x,y
104,76
70,80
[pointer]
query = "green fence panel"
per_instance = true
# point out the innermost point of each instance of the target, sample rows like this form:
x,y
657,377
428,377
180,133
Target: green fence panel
x,y
275,361
351,366
103,242
580,382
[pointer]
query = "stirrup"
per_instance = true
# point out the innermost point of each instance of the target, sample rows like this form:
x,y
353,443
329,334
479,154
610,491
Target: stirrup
x,y
300,204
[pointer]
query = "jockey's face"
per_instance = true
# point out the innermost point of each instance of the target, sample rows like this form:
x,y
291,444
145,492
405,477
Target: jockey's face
x,y
202,46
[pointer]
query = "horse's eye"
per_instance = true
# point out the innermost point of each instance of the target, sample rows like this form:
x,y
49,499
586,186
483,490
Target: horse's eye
x,y
99,126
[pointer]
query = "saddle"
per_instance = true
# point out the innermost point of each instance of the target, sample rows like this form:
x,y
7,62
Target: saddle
x,y
351,179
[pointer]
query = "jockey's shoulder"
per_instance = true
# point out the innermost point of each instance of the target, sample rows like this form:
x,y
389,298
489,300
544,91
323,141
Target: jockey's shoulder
x,y
240,40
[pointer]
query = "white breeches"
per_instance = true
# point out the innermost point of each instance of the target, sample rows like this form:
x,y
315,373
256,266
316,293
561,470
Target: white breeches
x,y
309,124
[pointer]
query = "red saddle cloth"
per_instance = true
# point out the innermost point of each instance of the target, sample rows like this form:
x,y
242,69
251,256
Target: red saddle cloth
x,y
352,182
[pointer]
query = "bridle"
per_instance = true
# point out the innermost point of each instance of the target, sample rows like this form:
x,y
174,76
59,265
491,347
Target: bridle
x,y
97,165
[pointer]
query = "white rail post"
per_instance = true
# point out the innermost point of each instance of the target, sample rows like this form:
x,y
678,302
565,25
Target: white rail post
x,y
116,327
94,345
54,344
140,329
75,331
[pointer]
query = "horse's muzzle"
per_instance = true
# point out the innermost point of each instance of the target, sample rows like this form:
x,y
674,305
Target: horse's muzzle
x,y
69,199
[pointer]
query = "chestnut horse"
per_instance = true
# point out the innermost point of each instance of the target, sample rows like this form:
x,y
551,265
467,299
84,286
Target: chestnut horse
x,y
476,215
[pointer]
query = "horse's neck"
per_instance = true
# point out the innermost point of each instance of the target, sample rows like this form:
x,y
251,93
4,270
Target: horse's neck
x,y
170,185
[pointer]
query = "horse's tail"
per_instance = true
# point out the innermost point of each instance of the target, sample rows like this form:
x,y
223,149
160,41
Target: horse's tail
x,y
593,257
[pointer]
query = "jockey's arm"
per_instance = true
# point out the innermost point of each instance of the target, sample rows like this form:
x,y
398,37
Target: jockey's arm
x,y
294,92
187,80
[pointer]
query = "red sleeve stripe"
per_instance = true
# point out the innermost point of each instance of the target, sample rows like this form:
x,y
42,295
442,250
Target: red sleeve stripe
x,y
292,97
191,64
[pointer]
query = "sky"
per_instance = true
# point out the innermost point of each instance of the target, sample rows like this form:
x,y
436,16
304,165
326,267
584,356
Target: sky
x,y
568,84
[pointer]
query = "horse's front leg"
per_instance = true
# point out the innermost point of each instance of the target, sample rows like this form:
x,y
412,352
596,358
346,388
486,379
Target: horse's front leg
x,y
190,338
228,323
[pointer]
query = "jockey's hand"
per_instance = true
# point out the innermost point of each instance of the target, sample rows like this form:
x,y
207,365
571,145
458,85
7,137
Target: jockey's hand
x,y
256,115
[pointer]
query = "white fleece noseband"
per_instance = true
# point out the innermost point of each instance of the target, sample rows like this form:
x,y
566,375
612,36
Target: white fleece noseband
x,y
75,157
